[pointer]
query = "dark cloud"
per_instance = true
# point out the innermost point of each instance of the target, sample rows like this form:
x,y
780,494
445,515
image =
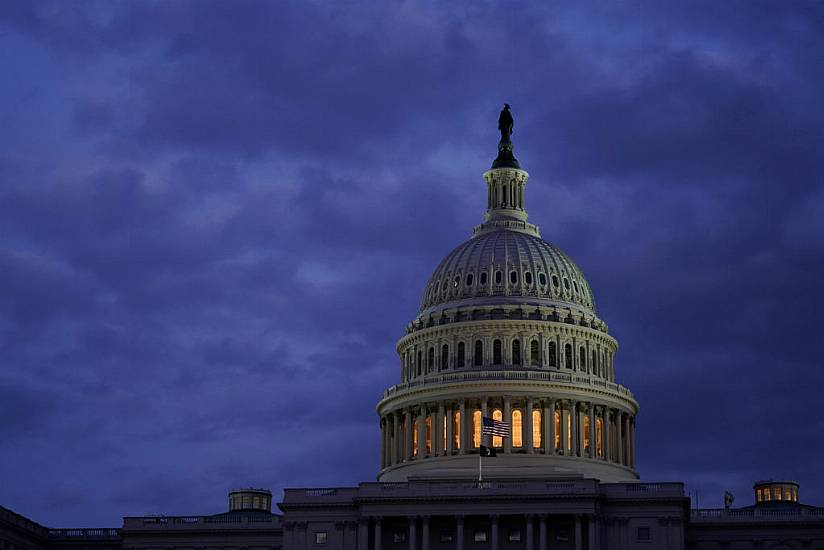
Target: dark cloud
x,y
215,217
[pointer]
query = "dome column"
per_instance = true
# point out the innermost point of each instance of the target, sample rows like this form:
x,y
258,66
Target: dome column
x,y
566,418
450,427
593,432
619,422
486,440
396,419
462,427
607,434
549,427
422,432
407,433
528,424
438,444
508,419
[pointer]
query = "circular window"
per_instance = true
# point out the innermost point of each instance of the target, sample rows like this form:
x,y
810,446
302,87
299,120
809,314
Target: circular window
x,y
566,283
542,279
483,277
513,277
469,280
498,277
528,277
555,281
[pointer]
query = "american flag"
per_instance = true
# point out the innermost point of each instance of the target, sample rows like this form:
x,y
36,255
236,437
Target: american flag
x,y
495,427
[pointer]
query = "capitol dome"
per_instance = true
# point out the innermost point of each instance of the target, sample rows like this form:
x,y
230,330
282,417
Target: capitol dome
x,y
508,331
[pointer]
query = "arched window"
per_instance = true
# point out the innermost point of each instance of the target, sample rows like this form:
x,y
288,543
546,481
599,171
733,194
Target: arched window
x,y
513,277
459,363
536,428
483,277
568,356
430,360
555,281
587,438
516,352
517,428
420,360
551,355
599,437
496,352
415,437
479,353
497,441
566,283
557,419
429,435
469,279
498,277
542,278
594,365
457,430
444,357
528,277
476,429
534,355
582,352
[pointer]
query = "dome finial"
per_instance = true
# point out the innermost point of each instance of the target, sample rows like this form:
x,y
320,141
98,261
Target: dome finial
x,y
505,157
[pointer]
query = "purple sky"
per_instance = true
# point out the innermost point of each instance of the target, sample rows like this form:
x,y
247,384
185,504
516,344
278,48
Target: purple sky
x,y
217,218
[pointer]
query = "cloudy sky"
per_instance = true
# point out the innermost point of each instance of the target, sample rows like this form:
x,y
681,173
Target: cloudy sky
x,y
216,219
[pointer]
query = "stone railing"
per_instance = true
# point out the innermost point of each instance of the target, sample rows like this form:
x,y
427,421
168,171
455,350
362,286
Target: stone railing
x,y
316,495
197,522
515,374
757,514
474,488
645,490
104,533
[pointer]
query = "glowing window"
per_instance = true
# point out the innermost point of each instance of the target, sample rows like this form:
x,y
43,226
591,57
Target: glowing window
x,y
517,429
777,493
557,416
496,352
321,537
586,433
758,495
528,277
415,437
497,441
536,428
788,494
599,436
443,431
569,431
766,494
458,430
476,428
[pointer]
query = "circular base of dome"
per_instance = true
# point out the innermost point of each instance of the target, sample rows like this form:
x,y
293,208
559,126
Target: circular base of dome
x,y
511,465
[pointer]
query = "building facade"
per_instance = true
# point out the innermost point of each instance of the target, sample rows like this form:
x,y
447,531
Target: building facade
x,y
508,329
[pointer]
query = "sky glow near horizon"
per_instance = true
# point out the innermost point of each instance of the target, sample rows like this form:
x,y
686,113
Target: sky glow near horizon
x,y
217,218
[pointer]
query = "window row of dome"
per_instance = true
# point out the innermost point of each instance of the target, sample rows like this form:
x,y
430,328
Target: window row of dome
x,y
597,361
454,283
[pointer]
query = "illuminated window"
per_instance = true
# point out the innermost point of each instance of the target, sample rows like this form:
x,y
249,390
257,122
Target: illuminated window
x,y
599,436
795,494
476,429
479,353
459,363
788,494
517,429
514,536
496,352
516,352
777,493
766,494
551,355
568,356
758,495
586,433
534,355
458,430
321,537
497,441
480,536
569,431
429,434
445,422
557,416
415,437
444,357
536,428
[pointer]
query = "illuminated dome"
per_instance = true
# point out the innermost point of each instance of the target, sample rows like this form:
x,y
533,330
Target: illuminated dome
x,y
507,329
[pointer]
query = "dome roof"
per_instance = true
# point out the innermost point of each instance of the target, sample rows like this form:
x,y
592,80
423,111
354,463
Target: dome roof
x,y
506,266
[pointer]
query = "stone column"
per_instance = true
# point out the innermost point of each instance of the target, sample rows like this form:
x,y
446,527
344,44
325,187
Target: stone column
x,y
548,427
565,418
412,539
530,545
607,434
425,533
422,432
494,533
508,420
619,423
573,421
591,532
407,435
578,534
459,533
378,534
529,427
438,449
383,443
593,432
632,442
542,533
486,440
450,430
363,534
462,427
